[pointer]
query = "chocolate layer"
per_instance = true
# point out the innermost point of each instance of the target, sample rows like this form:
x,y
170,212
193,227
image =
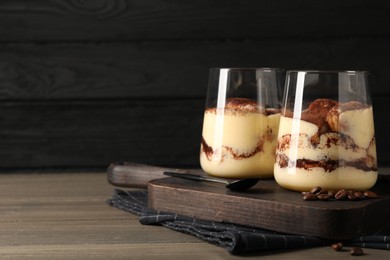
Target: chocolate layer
x,y
208,150
327,165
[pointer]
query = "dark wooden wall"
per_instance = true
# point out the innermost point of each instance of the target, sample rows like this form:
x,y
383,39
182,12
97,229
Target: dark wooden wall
x,y
86,83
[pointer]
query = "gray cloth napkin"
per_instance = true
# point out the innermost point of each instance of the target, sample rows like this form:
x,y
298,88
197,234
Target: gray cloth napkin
x,y
234,238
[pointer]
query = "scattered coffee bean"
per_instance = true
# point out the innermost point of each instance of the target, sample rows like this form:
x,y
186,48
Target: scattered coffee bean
x,y
351,196
322,192
315,190
337,246
323,196
331,193
370,194
309,196
359,195
357,251
341,194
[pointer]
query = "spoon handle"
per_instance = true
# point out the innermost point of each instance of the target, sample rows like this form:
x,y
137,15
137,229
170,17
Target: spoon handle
x,y
194,177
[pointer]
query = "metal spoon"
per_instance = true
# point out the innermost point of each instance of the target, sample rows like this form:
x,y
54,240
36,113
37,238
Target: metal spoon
x,y
237,185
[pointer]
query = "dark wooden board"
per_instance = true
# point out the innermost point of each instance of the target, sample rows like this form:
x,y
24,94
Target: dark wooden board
x,y
271,207
136,175
119,20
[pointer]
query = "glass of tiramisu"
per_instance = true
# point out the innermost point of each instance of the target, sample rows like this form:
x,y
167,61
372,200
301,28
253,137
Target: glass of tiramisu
x,y
241,122
326,133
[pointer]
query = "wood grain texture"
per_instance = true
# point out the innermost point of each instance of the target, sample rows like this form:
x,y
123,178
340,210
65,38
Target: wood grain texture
x,y
271,207
97,133
94,134
63,216
170,69
119,20
77,77
135,175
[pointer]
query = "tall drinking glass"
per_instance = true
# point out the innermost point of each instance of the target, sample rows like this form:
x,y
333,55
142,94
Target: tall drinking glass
x,y
326,135
241,122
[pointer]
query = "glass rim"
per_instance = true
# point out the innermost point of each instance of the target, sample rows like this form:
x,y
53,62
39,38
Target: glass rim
x,y
329,71
245,68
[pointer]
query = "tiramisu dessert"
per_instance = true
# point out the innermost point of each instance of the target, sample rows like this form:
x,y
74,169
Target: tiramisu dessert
x,y
330,144
239,140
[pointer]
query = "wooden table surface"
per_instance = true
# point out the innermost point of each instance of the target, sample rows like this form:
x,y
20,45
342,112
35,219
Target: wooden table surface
x,y
64,215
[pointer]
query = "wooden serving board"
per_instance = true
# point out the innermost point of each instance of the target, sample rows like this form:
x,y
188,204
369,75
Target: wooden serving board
x,y
271,207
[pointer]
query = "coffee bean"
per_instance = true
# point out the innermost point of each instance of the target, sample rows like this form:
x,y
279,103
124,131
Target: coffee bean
x,y
341,195
351,196
359,195
323,197
357,251
331,193
370,194
315,190
310,196
337,246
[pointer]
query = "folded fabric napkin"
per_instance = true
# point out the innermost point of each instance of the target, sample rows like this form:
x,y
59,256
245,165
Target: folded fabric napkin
x,y
234,238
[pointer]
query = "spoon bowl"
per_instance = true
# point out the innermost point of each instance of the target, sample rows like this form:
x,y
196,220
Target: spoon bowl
x,y
236,185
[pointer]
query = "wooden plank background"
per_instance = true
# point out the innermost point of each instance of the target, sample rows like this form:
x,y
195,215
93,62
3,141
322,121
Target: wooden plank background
x,y
86,83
